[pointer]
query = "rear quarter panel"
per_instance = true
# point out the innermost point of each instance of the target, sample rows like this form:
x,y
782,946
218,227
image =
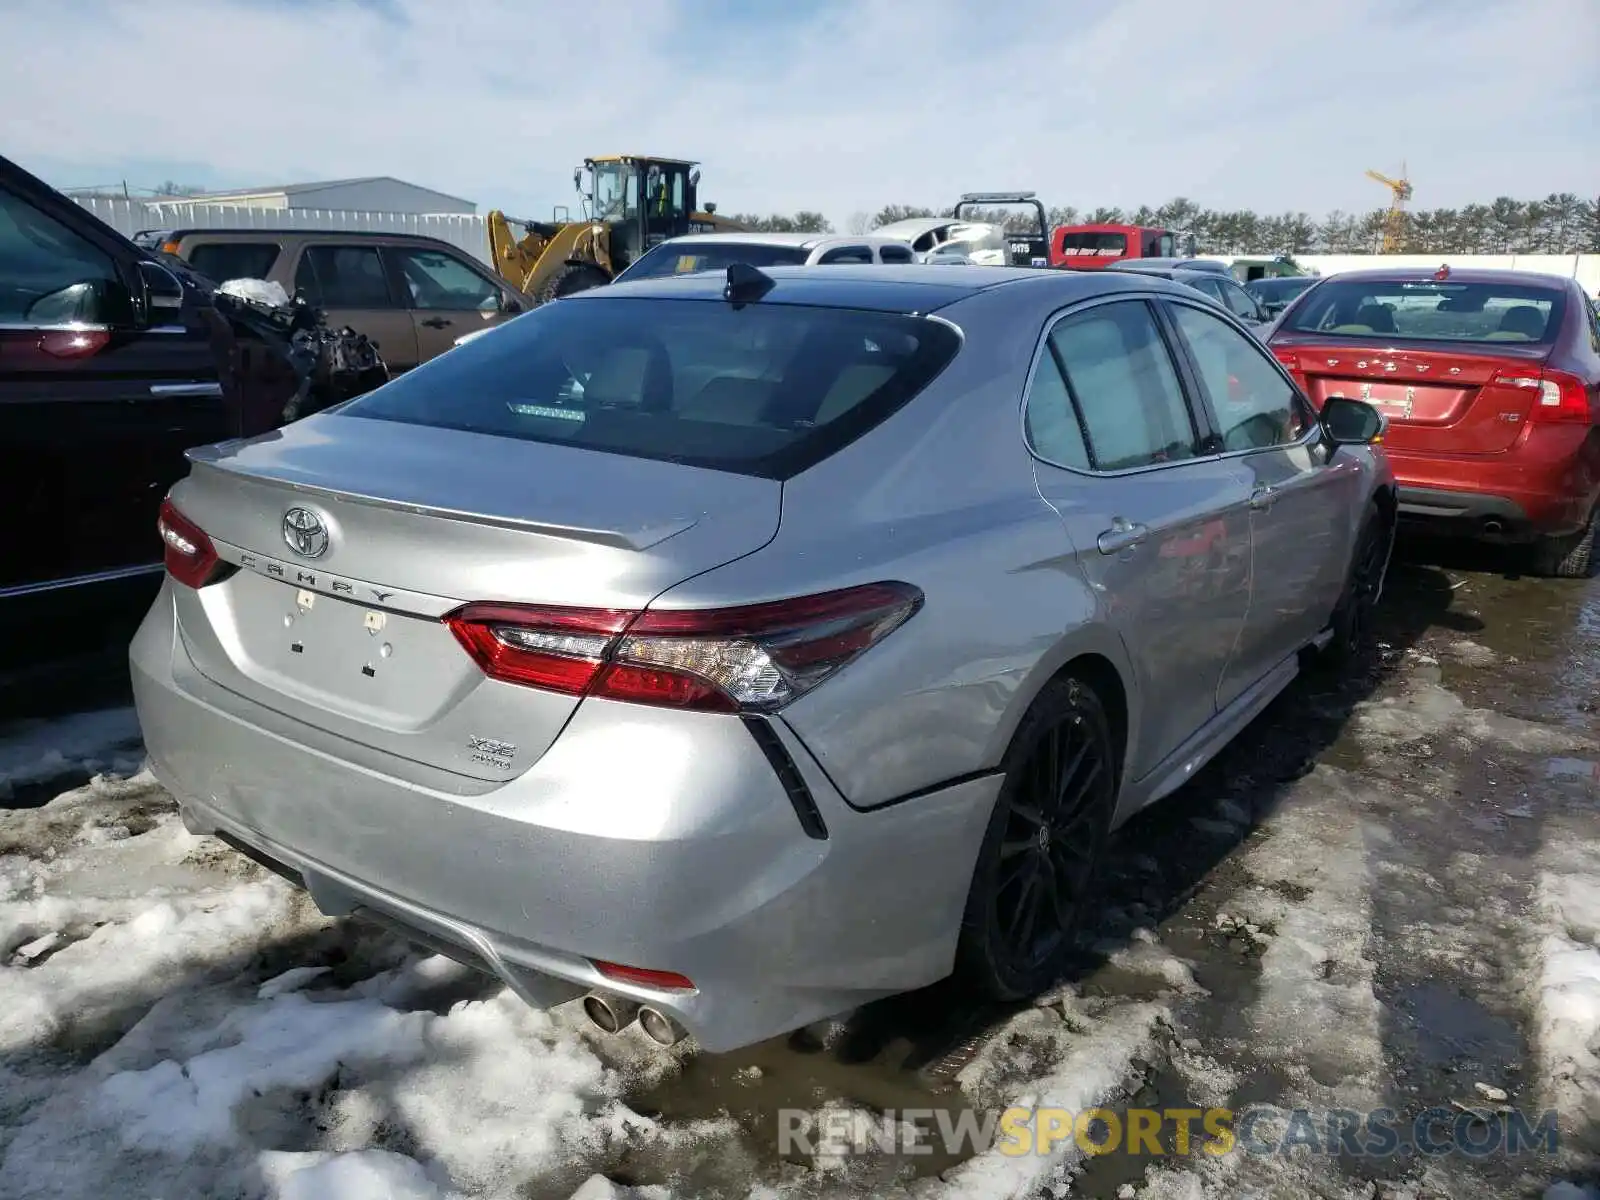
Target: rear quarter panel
x,y
941,495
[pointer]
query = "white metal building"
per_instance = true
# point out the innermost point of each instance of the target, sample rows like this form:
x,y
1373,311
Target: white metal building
x,y
374,193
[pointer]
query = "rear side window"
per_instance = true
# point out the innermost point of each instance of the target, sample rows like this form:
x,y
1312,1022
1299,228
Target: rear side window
x,y
895,254
765,389
682,258
1430,310
1124,389
344,277
222,261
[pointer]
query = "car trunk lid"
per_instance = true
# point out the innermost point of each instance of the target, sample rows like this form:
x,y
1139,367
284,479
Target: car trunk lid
x,y
418,521
1452,400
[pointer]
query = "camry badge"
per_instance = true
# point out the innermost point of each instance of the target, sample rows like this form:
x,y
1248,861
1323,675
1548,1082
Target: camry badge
x,y
304,533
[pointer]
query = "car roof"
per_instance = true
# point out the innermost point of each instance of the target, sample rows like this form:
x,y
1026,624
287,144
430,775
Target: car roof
x,y
1457,275
1284,280
888,288
253,234
1158,263
913,227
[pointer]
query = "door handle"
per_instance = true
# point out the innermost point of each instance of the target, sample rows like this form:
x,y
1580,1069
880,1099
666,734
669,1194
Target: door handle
x,y
1261,498
186,389
1123,535
437,322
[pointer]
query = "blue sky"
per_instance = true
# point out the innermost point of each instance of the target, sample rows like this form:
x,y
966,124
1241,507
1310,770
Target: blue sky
x,y
843,107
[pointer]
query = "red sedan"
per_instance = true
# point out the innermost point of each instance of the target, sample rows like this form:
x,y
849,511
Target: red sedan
x,y
1491,383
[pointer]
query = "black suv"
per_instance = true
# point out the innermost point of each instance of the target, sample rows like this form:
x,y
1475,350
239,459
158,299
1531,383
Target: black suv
x,y
113,361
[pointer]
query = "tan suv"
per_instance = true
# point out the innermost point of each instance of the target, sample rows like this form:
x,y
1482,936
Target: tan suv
x,y
412,295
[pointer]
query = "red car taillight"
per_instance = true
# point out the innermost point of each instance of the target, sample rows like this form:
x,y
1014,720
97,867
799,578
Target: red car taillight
x,y
1291,363
752,658
191,559
1562,397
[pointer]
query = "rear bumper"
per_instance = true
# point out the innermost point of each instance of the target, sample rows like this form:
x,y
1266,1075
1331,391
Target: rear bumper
x,y
668,843
1465,514
1545,487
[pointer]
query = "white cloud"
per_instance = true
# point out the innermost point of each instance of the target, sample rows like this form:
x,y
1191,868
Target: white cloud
x,y
838,106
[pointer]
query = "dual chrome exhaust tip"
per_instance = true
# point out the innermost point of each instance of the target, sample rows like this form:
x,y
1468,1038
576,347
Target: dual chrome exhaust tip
x,y
613,1014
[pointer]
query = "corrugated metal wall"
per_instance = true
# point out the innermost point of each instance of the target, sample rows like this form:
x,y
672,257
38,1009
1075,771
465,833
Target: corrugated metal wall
x,y
128,217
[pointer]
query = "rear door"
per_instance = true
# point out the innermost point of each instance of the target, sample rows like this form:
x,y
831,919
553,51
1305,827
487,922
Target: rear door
x,y
351,283
1163,529
94,414
1300,503
447,298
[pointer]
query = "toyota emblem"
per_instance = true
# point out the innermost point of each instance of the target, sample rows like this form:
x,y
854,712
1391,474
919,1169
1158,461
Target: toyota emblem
x,y
304,533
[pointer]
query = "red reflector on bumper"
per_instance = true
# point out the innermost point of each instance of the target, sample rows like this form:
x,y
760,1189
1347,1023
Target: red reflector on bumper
x,y
666,981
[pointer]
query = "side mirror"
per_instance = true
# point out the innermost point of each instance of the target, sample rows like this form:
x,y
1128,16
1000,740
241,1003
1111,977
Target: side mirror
x,y
89,302
577,179
509,304
1347,422
163,293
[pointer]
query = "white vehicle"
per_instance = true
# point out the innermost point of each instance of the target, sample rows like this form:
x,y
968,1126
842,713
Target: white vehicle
x,y
717,251
982,243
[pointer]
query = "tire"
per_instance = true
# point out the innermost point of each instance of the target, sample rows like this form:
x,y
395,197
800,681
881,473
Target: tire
x,y
574,277
994,958
1352,615
1568,557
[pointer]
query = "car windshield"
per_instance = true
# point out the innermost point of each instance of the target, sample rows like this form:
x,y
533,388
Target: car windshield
x,y
683,258
759,389
1430,310
1094,243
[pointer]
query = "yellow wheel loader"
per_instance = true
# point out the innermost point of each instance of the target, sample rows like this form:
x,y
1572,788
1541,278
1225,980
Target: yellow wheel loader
x,y
631,203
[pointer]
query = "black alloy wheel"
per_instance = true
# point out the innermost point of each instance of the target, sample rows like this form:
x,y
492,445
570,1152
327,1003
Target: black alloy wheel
x,y
1035,871
1355,614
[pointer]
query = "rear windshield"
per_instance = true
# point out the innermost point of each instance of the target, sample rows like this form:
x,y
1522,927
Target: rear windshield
x,y
762,389
680,258
223,261
1430,310
1106,245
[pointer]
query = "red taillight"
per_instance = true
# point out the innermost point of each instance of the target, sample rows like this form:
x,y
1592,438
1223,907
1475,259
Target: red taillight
x,y
755,657
558,649
1291,363
1562,397
665,981
74,343
190,557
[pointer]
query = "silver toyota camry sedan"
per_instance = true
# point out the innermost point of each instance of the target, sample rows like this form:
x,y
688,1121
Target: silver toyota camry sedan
x,y
740,647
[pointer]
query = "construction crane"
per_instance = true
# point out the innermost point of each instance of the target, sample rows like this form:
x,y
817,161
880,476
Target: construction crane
x,y
1394,221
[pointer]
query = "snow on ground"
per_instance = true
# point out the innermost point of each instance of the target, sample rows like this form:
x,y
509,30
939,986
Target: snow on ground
x,y
145,1031
1568,1000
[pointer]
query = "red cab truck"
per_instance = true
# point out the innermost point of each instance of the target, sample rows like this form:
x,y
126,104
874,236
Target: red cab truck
x,y
1089,247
